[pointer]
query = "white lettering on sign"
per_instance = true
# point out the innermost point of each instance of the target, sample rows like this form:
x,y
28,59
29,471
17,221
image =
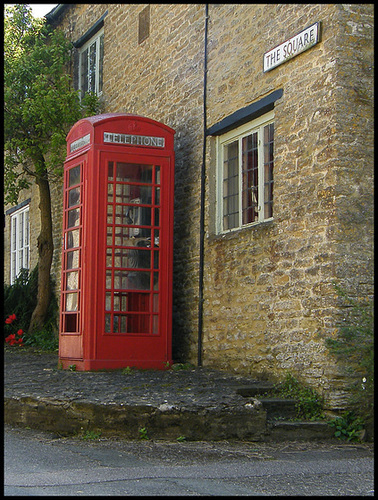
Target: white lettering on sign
x,y
134,140
292,47
79,143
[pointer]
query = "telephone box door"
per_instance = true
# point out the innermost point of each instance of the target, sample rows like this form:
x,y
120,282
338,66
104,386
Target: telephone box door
x,y
136,271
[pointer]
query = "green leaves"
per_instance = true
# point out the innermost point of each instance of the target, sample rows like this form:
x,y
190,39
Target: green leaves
x,y
40,104
348,426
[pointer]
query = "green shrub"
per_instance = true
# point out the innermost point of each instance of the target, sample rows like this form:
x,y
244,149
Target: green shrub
x,y
20,299
309,404
348,426
353,346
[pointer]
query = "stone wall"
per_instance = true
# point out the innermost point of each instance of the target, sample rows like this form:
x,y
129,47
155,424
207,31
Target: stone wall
x,y
269,299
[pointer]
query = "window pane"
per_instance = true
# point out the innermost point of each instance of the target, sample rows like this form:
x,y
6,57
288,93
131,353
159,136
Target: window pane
x,y
111,171
26,242
71,301
268,170
84,72
73,238
108,319
250,178
138,280
231,185
92,68
120,280
132,172
73,217
73,197
108,301
120,302
72,281
73,259
74,176
101,61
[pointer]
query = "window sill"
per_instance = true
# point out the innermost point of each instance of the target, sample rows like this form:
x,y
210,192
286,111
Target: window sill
x,y
234,233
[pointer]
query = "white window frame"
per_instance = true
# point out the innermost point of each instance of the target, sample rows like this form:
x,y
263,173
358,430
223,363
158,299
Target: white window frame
x,y
19,242
94,40
237,134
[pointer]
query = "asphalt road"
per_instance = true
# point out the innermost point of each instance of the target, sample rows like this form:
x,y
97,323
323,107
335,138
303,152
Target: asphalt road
x,y
38,463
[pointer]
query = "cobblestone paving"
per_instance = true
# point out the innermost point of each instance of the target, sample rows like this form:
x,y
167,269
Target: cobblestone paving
x,y
28,373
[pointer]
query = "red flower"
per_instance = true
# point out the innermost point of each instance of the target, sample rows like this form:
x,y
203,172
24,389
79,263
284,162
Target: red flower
x,y
10,319
11,339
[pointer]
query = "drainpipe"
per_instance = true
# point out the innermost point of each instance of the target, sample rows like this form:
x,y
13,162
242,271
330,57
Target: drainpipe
x,y
202,202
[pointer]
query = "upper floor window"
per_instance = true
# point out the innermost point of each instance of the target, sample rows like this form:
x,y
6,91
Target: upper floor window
x,y
91,56
20,236
245,174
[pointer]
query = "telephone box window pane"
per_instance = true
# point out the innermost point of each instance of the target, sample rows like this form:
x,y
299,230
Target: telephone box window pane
x,y
123,324
121,257
73,197
155,324
157,175
109,257
110,192
109,235
73,217
138,280
156,259
155,304
139,258
133,172
111,171
72,281
115,324
157,217
71,301
74,176
156,281
73,238
109,214
73,259
108,279
157,196
120,302
70,321
120,280
108,301
108,319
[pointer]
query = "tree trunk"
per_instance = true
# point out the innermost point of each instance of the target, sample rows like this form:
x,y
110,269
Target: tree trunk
x,y
45,255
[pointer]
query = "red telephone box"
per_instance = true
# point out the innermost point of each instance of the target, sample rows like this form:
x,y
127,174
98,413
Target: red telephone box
x,y
117,251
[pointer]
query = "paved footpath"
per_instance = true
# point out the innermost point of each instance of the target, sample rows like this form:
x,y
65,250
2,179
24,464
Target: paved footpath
x,y
201,402
195,403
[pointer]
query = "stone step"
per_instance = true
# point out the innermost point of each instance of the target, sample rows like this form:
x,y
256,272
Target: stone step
x,y
298,431
279,407
255,389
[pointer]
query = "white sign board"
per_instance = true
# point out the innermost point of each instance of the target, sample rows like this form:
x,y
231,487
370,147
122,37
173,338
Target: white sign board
x,y
134,140
79,143
292,47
